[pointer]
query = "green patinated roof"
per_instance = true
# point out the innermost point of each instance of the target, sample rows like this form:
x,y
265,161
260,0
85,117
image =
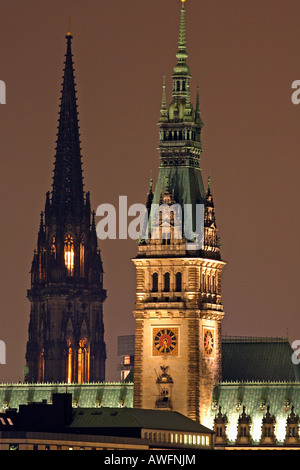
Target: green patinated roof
x,y
255,396
135,418
84,395
247,358
257,372
186,182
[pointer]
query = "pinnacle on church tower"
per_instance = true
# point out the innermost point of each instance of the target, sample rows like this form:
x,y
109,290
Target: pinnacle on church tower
x,y
66,332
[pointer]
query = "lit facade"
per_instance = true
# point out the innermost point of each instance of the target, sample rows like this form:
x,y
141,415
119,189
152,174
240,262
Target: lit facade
x,y
244,389
178,308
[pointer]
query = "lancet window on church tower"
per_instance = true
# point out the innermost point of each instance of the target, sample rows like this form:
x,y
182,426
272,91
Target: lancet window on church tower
x,y
53,248
69,365
82,258
69,255
42,366
83,362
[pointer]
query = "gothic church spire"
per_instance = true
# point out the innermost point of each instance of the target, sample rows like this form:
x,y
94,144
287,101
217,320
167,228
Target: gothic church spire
x,y
67,187
67,293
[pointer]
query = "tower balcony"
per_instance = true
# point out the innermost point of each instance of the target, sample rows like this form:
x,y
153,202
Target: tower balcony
x,y
212,306
164,305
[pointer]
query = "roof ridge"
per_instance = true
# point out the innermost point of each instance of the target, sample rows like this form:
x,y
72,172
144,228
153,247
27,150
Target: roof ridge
x,y
254,339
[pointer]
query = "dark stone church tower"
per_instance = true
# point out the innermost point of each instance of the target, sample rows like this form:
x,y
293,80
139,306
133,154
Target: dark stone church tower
x,y
66,332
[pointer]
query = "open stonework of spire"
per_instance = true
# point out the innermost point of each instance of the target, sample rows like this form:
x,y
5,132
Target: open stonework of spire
x,y
67,188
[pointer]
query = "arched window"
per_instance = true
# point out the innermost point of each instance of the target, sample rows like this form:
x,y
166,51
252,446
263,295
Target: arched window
x,y
70,359
82,258
154,282
42,366
69,255
83,362
167,282
178,282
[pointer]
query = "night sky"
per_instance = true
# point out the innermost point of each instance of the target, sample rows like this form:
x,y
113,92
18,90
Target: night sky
x,y
246,54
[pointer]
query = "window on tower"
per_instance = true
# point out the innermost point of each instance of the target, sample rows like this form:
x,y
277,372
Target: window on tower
x,y
69,365
178,282
69,255
167,282
154,282
82,258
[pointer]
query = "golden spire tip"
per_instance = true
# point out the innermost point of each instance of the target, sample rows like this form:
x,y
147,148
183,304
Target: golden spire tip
x,y
69,26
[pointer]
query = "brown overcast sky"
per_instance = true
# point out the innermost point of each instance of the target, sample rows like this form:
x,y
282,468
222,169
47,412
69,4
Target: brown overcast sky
x,y
246,55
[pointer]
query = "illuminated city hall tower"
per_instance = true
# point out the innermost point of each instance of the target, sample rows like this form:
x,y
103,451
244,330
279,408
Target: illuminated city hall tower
x,y
178,310
66,332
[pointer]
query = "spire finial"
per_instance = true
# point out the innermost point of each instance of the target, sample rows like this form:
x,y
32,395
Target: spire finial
x,y
182,38
69,26
182,54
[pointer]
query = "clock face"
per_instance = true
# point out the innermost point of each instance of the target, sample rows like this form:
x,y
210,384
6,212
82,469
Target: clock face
x,y
165,341
208,342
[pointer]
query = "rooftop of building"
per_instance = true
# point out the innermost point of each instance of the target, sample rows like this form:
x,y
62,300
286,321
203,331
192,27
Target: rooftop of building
x,y
135,418
258,358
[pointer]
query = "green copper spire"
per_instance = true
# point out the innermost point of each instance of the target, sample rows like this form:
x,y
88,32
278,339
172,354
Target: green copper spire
x,y
182,54
181,68
180,127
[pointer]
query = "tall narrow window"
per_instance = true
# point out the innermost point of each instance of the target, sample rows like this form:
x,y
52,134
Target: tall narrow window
x,y
208,283
167,282
178,282
82,258
83,362
42,366
155,282
53,247
70,357
213,284
69,255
